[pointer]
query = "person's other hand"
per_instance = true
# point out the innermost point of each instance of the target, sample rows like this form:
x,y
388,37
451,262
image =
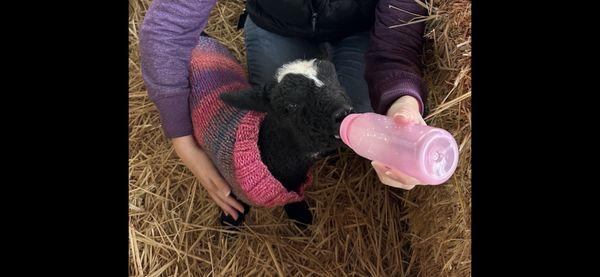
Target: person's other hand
x,y
203,168
405,110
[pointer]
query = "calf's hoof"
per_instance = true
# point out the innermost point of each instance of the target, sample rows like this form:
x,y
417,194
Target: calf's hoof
x,y
299,212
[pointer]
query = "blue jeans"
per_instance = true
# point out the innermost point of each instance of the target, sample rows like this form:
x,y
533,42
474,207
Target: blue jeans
x,y
267,51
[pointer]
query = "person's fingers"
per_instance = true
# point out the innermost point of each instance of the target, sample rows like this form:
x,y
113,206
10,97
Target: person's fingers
x,y
384,178
394,178
401,177
403,117
219,183
207,174
209,186
381,169
224,206
214,193
234,203
394,181
224,191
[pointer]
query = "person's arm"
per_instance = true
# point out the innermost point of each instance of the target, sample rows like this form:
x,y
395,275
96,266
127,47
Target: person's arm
x,y
205,171
393,73
170,31
393,67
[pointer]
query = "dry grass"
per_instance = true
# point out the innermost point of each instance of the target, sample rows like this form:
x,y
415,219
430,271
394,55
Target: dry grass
x,y
361,227
440,227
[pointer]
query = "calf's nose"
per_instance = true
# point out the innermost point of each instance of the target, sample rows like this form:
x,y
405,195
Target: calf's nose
x,y
341,113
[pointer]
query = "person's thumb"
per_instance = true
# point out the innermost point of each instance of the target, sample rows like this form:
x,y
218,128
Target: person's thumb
x,y
403,116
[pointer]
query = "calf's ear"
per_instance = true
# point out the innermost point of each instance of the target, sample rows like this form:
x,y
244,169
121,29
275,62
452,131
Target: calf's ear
x,y
250,99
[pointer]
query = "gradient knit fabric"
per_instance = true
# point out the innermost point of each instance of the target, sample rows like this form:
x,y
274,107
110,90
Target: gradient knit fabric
x,y
228,135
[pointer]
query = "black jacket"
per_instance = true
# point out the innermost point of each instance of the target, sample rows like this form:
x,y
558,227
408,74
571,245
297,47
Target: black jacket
x,y
321,20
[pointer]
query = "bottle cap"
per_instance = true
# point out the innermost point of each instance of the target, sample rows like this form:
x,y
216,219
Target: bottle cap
x,y
439,156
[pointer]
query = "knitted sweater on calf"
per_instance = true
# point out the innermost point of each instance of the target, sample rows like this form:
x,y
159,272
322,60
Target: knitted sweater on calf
x,y
229,135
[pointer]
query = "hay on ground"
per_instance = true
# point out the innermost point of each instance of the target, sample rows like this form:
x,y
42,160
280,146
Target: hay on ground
x,y
361,227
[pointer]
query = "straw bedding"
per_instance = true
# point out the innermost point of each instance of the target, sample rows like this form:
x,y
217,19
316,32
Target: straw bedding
x,y
361,227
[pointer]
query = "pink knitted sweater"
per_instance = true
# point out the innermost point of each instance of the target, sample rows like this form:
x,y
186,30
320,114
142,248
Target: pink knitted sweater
x,y
229,135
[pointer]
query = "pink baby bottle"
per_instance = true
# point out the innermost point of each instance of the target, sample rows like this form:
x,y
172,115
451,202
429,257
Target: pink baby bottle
x,y
428,154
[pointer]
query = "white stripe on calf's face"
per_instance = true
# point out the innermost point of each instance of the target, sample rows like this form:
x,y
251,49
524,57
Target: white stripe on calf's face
x,y
306,68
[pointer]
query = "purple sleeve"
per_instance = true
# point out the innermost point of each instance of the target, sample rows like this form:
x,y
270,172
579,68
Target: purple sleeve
x,y
170,31
392,60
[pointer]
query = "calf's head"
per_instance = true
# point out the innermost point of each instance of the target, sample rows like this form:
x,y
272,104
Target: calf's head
x,y
305,98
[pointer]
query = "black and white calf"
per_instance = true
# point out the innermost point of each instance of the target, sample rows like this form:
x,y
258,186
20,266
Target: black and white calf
x,y
304,107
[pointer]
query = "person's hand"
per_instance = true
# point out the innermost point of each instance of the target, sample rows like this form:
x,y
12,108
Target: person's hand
x,y
405,110
203,168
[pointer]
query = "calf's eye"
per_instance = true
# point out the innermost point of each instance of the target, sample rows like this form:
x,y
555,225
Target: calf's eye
x,y
289,108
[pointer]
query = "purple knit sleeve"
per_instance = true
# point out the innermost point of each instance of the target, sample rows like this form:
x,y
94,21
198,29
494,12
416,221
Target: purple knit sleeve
x,y
170,31
392,60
